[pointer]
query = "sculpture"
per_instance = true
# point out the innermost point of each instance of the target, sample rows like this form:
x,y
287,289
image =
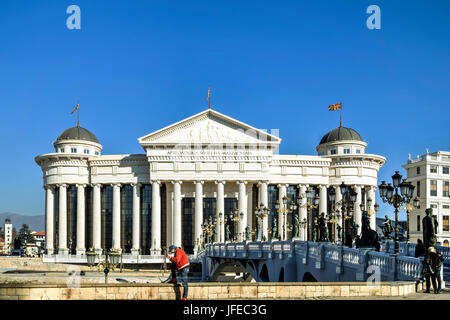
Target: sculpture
x,y
214,235
248,233
227,233
314,230
274,228
323,229
339,232
430,226
296,226
387,228
369,237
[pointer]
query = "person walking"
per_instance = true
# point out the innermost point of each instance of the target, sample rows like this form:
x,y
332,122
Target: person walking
x,y
180,269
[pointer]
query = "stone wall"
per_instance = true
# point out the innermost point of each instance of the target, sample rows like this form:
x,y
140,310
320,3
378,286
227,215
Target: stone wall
x,y
205,291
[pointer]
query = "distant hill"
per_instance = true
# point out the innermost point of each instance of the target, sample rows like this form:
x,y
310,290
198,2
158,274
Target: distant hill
x,y
35,223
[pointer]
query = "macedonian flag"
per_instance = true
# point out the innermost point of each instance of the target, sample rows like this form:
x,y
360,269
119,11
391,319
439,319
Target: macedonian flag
x,y
336,106
77,107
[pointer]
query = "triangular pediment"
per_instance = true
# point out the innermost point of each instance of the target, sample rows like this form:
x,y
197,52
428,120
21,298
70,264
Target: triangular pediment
x,y
209,127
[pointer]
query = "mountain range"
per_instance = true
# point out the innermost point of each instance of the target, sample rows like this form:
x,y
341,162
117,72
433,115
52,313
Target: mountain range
x,y
35,223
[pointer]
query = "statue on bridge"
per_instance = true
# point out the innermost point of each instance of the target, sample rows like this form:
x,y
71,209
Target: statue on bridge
x,y
387,228
248,233
339,232
430,229
323,228
296,226
214,235
314,230
369,237
274,229
227,233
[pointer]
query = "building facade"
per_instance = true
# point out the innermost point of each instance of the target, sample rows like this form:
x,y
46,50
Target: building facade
x,y
430,175
8,236
197,169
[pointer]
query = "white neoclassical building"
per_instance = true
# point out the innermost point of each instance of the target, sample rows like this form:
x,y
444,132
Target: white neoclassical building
x,y
204,166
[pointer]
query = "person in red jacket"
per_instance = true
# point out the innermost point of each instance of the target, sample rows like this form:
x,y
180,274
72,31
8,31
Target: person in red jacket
x,y
180,263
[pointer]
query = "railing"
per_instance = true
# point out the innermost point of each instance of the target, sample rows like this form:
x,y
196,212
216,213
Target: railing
x,y
380,259
408,268
351,256
332,253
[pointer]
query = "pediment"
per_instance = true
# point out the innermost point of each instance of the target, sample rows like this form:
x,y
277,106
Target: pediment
x,y
209,127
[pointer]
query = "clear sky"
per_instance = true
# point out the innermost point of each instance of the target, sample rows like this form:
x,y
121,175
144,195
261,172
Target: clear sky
x,y
137,66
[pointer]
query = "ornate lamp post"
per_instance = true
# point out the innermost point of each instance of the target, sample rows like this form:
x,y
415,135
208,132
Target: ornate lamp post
x,y
348,199
285,210
234,217
311,203
260,212
396,199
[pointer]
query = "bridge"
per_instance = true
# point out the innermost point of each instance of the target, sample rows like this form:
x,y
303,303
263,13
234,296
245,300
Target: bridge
x,y
305,261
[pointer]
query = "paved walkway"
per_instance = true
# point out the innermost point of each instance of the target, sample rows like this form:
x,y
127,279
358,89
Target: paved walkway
x,y
444,295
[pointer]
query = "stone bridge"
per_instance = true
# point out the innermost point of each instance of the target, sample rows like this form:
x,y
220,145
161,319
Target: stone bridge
x,y
301,261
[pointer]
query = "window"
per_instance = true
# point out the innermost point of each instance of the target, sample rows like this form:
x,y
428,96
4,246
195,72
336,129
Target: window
x,y
433,205
96,153
433,188
445,226
333,151
61,150
444,170
418,189
433,169
322,154
445,185
418,223
445,206
358,151
73,150
418,170
86,151
347,150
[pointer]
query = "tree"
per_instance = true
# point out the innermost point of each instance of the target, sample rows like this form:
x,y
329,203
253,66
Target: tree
x,y
25,236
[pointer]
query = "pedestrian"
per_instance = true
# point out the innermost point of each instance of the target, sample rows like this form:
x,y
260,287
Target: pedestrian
x,y
180,269
420,249
431,268
437,259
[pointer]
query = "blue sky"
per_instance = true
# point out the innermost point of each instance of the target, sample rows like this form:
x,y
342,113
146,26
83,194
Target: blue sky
x,y
137,66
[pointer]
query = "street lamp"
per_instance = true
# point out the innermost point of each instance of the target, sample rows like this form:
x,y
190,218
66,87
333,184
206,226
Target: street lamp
x,y
312,202
234,217
285,210
395,199
348,199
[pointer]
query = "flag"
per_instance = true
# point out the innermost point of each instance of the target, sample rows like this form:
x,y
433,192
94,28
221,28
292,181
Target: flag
x,y
78,106
208,95
336,106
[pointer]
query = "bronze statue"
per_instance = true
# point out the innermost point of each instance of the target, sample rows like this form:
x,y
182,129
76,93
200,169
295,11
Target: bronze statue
x,y
369,237
387,228
323,229
430,229
339,232
274,228
227,233
314,230
296,226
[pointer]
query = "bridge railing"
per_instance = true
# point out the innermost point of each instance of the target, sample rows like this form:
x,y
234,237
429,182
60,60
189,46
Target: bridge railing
x,y
408,268
385,262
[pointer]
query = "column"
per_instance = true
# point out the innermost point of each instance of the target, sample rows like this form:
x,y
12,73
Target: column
x,y
356,208
49,218
116,218
62,234
242,208
250,207
81,224
96,219
198,214
156,218
220,208
323,200
176,223
338,206
373,216
264,200
303,212
136,218
281,216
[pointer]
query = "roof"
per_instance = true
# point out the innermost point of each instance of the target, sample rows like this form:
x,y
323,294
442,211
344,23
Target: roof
x,y
41,233
341,133
78,133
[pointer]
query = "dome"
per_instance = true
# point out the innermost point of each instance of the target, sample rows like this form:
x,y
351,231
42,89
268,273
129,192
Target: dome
x,y
78,133
341,133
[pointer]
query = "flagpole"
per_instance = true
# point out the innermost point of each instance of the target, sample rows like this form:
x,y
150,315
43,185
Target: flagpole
x,y
340,125
78,114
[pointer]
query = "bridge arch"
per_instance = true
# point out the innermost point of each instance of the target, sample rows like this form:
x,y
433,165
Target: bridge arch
x,y
223,266
308,277
281,275
264,274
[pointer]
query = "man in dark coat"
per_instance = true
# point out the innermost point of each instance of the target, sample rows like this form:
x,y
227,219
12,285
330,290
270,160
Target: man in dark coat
x,y
431,267
420,249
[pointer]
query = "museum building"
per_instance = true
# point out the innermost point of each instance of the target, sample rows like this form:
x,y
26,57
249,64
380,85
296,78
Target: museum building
x,y
195,171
